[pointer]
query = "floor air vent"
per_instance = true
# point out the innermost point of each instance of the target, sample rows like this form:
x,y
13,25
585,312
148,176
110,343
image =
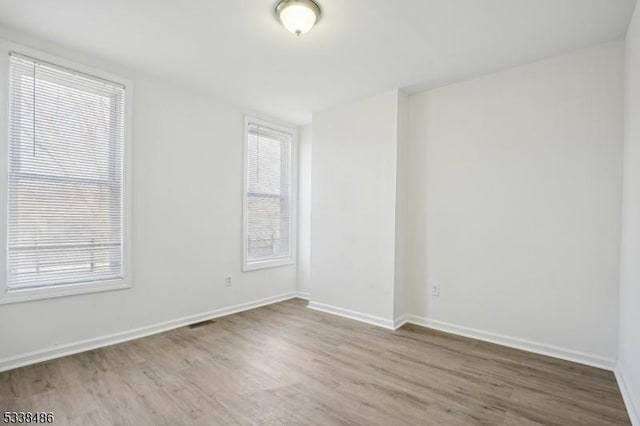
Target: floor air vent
x,y
201,324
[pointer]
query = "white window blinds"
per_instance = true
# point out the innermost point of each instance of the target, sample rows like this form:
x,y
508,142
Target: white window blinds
x,y
65,187
268,197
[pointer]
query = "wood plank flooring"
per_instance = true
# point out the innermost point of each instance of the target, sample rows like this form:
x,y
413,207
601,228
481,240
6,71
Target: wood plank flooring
x,y
285,364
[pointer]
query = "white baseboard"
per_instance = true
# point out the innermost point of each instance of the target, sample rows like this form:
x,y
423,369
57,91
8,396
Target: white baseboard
x,y
400,321
627,396
517,343
358,316
58,351
302,295
512,342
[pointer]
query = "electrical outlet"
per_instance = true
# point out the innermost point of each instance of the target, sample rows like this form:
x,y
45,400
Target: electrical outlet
x,y
227,281
435,289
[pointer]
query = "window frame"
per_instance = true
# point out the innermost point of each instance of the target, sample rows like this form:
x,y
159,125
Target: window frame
x,y
23,295
255,265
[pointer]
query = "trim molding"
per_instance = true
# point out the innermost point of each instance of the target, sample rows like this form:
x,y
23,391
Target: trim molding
x,y
634,412
514,342
400,321
486,336
58,351
302,295
358,316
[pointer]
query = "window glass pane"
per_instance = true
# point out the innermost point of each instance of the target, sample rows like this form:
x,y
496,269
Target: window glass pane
x,y
66,133
268,194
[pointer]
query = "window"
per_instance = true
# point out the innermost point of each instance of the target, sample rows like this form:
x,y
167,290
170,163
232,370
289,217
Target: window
x,y
269,222
65,188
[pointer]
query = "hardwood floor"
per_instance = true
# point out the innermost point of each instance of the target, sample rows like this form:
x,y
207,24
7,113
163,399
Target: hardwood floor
x,y
285,364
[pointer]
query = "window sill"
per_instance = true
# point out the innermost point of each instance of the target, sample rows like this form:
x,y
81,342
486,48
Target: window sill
x,y
27,295
266,264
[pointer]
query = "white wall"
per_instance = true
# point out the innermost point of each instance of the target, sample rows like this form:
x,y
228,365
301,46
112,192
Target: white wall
x,y
629,351
416,260
402,206
515,186
187,235
304,209
354,201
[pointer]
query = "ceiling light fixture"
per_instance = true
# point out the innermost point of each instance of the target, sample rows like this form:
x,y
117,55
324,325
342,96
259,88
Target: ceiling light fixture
x,y
298,16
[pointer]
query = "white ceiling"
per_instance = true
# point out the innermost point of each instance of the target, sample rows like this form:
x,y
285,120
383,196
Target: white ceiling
x,y
238,52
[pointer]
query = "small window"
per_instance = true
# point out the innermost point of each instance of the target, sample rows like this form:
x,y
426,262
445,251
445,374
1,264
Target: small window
x,y
269,217
65,189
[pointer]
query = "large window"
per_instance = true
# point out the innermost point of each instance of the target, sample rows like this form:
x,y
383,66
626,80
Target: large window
x,y
269,219
65,189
